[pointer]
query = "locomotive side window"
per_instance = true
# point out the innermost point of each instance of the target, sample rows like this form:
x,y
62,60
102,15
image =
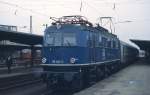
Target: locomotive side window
x,y
103,54
95,39
112,43
69,39
109,43
104,41
117,44
100,40
90,40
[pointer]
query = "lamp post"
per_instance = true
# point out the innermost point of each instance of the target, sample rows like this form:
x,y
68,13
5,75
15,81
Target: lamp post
x,y
31,24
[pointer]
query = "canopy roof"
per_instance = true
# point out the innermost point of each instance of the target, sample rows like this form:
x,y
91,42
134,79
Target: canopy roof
x,y
143,44
19,37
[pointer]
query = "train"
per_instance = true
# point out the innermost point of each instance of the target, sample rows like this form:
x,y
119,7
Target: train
x,y
75,53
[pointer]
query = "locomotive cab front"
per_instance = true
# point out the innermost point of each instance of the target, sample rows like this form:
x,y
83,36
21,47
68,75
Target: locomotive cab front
x,y
63,45
64,53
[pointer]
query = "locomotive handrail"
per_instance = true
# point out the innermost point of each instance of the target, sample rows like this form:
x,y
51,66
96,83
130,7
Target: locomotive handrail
x,y
96,63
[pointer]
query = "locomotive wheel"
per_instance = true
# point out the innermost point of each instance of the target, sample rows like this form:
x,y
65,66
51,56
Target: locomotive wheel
x,y
77,83
99,74
117,67
113,69
107,72
48,85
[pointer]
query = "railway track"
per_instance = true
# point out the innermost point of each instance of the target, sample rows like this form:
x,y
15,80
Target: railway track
x,y
18,81
20,84
31,81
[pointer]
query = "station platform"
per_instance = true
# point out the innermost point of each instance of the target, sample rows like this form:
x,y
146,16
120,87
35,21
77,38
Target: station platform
x,y
14,69
132,80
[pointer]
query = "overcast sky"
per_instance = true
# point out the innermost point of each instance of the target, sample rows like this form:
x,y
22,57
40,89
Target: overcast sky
x,y
17,12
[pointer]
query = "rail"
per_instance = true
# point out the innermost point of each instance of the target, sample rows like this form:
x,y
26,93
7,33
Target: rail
x,y
19,81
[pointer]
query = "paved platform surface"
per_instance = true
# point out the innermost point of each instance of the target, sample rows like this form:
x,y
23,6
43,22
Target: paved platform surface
x,y
133,80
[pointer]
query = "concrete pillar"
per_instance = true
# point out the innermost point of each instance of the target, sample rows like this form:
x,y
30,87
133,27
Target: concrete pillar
x,y
33,50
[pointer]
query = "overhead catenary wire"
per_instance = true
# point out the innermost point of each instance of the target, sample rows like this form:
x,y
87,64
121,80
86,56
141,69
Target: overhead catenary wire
x,y
118,2
22,8
98,12
81,7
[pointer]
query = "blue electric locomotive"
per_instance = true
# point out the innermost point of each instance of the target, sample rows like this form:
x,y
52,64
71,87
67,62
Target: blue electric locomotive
x,y
75,52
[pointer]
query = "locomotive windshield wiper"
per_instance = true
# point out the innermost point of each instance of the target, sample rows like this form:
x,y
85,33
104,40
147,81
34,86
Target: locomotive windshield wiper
x,y
69,44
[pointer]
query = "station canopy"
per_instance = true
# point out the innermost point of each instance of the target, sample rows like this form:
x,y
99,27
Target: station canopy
x,y
22,38
143,44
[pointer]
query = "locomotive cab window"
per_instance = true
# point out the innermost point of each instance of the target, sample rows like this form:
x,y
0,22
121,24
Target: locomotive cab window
x,y
49,39
60,39
69,39
53,39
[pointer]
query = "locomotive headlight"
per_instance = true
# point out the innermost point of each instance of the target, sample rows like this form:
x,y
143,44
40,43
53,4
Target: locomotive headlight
x,y
72,60
44,60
